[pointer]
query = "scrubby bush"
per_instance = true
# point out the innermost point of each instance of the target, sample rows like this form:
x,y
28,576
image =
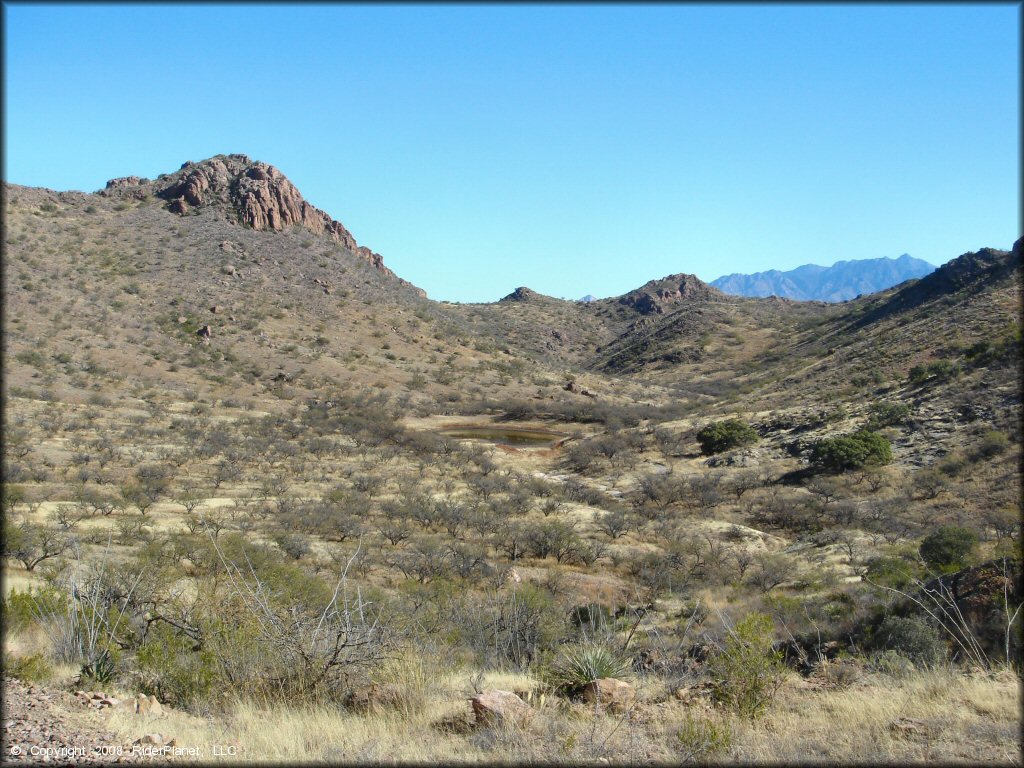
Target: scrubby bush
x,y
887,415
700,738
891,572
911,637
748,672
991,444
941,370
21,609
170,667
725,435
948,548
861,449
34,668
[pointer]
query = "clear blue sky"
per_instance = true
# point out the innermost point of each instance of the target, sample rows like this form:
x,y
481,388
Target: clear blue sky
x,y
573,149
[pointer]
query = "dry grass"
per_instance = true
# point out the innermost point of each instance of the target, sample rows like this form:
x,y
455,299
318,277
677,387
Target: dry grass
x,y
861,723
958,718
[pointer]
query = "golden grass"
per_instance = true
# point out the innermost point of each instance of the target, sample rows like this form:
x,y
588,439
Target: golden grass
x,y
960,718
861,723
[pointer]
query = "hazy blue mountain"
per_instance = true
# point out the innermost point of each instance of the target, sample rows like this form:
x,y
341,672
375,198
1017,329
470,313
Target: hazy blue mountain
x,y
843,280
587,299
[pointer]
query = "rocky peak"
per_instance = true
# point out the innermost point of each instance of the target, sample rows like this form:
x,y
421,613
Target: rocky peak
x,y
522,294
256,193
652,298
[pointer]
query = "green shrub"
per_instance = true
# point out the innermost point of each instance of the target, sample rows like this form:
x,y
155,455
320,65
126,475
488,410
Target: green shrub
x,y
175,672
863,448
31,669
891,572
940,370
725,435
912,638
891,663
748,672
22,609
948,548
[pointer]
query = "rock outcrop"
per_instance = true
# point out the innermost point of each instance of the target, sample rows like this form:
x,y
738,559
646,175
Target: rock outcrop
x,y
258,195
653,297
521,294
262,197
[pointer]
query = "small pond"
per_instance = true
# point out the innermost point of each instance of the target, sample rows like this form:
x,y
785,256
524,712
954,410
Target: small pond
x,y
514,436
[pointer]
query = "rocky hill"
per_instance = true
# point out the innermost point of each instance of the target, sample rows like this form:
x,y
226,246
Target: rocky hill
x,y
319,489
254,194
842,281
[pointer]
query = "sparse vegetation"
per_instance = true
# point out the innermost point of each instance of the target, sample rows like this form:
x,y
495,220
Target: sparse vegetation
x,y
275,524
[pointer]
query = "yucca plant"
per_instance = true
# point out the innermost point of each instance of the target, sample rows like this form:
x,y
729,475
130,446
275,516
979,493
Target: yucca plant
x,y
583,663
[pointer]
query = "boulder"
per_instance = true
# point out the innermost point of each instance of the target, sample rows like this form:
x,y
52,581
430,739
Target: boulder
x,y
375,697
496,707
609,693
145,705
178,206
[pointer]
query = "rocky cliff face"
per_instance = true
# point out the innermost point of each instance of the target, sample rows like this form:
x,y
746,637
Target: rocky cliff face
x,y
258,194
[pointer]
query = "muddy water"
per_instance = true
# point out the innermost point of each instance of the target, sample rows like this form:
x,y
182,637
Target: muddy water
x,y
515,436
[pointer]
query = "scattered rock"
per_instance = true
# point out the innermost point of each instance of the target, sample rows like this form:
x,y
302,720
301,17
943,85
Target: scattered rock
x,y
36,717
749,457
216,309
496,707
228,269
205,333
572,386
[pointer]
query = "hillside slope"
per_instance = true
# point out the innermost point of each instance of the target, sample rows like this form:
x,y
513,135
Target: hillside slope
x,y
317,497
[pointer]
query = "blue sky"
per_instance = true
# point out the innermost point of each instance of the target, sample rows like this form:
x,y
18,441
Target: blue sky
x,y
574,149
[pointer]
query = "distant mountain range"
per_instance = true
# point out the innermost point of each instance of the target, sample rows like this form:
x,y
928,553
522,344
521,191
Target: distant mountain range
x,y
842,281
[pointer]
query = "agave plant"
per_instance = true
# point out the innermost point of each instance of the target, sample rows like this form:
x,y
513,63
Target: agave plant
x,y
583,663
